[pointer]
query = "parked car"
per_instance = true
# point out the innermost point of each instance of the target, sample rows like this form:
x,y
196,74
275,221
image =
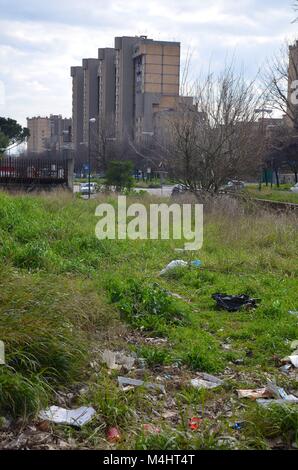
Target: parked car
x,y
233,185
84,188
294,189
179,189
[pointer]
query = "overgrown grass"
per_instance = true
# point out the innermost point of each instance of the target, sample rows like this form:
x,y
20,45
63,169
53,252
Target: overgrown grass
x,y
61,291
282,194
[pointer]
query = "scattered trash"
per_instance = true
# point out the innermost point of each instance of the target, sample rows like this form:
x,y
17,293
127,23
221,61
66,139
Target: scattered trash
x,y
262,395
117,360
286,368
292,312
179,263
123,381
151,429
113,435
194,423
156,341
78,417
197,263
2,353
238,362
169,414
174,264
238,426
206,381
233,303
292,359
254,394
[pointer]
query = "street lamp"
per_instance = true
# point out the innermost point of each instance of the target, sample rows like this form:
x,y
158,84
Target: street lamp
x,y
91,121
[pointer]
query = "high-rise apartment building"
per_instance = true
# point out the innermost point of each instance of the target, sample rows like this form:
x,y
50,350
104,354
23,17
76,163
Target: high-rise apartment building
x,y
147,81
49,133
90,95
125,87
77,75
106,88
292,111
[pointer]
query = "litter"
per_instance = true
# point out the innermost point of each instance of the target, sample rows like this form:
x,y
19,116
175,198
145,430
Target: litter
x,y
151,429
292,359
206,381
78,417
286,368
194,423
117,360
292,312
238,426
233,303
169,414
278,394
113,435
2,353
174,264
124,381
254,394
294,345
179,263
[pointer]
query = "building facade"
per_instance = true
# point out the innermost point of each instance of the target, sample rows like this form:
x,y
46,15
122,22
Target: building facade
x,y
49,133
124,89
77,75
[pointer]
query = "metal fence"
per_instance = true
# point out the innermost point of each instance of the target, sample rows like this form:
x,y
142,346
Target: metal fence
x,y
39,171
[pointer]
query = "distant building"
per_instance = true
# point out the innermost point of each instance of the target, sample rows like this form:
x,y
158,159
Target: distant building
x,y
77,74
292,111
125,87
49,133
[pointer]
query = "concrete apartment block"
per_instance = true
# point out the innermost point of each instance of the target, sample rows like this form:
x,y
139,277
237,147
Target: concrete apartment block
x,y
49,133
157,75
106,89
292,112
124,105
126,86
77,75
40,133
90,96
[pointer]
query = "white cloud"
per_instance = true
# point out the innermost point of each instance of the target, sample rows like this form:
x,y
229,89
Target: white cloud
x,y
40,41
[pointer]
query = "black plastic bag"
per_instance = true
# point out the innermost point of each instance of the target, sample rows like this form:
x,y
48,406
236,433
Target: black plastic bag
x,y
234,303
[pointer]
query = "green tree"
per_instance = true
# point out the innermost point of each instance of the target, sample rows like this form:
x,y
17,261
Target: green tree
x,y
11,133
119,174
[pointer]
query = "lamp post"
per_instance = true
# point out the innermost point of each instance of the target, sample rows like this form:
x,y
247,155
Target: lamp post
x,y
91,121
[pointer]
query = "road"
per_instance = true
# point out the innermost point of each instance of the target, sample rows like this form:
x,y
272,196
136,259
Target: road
x,y
165,191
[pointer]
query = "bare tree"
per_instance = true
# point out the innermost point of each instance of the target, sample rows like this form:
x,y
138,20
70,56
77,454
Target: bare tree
x,y
279,78
217,138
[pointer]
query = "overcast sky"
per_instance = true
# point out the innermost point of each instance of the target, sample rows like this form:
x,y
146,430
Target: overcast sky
x,y
39,40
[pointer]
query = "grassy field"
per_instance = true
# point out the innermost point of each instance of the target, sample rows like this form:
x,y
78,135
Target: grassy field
x,y
66,296
281,194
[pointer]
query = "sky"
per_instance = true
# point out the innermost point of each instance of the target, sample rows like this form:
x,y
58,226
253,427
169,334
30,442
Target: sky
x,y
40,41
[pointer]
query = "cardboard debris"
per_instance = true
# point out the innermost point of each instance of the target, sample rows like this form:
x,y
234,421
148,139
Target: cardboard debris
x,y
254,394
206,381
271,394
124,381
78,417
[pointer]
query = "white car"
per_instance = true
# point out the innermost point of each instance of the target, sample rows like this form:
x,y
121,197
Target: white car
x,y
294,189
84,188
